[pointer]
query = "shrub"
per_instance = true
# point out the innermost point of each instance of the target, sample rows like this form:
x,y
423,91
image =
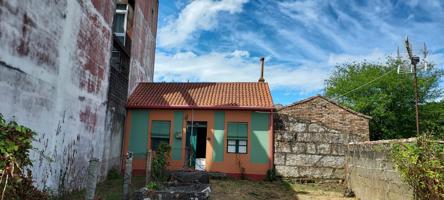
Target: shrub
x,y
159,163
421,165
271,175
15,144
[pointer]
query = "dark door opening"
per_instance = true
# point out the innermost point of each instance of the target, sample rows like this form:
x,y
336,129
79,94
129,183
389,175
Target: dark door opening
x,y
196,144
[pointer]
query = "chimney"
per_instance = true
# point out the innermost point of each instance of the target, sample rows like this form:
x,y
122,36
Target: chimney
x,y
261,79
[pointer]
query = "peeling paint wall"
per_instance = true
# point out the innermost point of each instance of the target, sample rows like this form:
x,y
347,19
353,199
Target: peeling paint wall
x,y
54,77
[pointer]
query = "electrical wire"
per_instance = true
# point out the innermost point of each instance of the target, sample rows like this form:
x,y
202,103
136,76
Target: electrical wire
x,y
365,84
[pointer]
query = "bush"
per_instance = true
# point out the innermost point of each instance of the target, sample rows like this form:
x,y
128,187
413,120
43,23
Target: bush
x,y
15,144
271,175
421,165
159,163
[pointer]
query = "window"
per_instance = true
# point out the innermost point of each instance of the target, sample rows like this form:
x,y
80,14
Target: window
x,y
160,132
119,27
237,137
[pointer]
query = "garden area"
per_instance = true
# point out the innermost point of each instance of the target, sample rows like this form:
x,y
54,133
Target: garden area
x,y
229,189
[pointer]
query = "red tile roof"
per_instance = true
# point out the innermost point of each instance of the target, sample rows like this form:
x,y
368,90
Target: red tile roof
x,y
236,95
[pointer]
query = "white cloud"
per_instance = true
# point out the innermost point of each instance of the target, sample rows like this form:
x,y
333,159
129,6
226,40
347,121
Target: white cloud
x,y
224,67
198,15
375,56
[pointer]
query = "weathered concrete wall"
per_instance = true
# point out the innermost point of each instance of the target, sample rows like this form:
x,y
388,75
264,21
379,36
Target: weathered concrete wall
x,y
143,52
371,174
54,77
311,139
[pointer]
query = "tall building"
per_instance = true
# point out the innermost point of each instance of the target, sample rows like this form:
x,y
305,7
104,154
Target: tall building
x,y
66,70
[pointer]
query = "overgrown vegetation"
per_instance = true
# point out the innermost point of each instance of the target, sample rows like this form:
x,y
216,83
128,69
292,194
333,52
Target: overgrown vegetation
x,y
421,165
376,89
271,175
16,178
160,163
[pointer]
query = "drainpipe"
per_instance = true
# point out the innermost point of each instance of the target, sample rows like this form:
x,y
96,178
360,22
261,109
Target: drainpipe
x,y
272,139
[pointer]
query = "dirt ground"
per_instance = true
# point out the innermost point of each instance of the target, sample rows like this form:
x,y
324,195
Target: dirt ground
x,y
242,189
230,189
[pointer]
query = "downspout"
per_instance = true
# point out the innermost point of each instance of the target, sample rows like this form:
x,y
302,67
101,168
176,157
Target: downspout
x,y
272,139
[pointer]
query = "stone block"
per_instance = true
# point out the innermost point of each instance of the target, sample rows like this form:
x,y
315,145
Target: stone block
x,y
298,148
315,128
311,148
279,158
282,146
304,137
287,171
332,161
298,127
302,159
323,149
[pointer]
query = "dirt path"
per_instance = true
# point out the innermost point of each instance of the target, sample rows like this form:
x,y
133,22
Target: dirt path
x,y
242,189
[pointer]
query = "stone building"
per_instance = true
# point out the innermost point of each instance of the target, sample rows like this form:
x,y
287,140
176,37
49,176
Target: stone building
x,y
311,138
66,69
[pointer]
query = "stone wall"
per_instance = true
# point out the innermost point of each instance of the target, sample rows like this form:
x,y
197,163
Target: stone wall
x,y
311,138
54,78
371,174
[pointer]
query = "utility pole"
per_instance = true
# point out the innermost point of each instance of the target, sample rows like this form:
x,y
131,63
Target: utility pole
x,y
414,61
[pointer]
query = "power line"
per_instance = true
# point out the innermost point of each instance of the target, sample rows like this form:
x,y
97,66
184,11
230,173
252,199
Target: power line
x,y
385,74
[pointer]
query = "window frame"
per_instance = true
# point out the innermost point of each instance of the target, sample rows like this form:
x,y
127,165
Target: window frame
x,y
161,138
237,145
125,21
237,140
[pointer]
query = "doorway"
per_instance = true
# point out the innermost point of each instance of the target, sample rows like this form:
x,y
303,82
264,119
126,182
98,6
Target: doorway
x,y
196,143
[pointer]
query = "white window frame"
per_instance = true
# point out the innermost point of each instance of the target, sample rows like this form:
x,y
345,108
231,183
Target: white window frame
x,y
125,12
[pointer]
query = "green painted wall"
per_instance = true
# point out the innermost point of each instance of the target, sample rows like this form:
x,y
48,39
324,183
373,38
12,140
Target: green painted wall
x,y
218,144
138,142
176,148
260,138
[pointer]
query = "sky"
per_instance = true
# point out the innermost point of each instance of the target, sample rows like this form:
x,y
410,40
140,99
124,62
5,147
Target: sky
x,y
302,41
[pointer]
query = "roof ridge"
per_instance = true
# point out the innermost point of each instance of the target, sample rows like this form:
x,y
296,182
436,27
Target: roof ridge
x,y
329,100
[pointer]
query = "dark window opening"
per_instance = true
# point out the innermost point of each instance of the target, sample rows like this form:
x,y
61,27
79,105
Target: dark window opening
x,y
201,142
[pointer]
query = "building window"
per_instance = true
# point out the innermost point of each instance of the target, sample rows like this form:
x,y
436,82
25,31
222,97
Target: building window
x,y
160,132
237,139
120,19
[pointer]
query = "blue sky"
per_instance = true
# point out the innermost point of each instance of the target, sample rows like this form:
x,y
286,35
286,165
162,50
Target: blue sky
x,y
302,41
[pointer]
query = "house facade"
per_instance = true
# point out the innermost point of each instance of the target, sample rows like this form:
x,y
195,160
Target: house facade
x,y
311,138
216,127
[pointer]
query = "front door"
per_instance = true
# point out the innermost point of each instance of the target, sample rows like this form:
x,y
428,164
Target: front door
x,y
195,142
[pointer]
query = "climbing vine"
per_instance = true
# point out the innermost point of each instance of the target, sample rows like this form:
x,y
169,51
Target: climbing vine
x,y
16,179
160,162
421,165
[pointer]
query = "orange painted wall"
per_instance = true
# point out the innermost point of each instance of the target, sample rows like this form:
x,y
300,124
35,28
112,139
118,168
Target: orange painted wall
x,y
231,162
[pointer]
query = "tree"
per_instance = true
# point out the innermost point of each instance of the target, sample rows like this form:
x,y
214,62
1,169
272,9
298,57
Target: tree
x,y
376,89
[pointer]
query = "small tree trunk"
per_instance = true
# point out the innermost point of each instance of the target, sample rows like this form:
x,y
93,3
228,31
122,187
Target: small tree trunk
x,y
149,157
127,175
91,178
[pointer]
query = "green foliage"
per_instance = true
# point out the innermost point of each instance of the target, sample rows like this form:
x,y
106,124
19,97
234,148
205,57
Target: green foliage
x,y
113,174
159,163
390,99
15,144
271,175
421,165
152,186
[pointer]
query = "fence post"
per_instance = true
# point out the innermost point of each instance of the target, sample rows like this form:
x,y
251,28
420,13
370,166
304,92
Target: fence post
x,y
91,178
149,157
127,175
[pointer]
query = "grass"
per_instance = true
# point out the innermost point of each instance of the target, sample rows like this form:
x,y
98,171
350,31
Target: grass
x,y
230,189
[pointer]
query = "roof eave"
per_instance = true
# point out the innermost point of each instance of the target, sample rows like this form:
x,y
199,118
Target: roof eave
x,y
203,107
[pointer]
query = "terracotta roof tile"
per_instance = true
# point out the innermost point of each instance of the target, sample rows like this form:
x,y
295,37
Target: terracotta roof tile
x,y
235,95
